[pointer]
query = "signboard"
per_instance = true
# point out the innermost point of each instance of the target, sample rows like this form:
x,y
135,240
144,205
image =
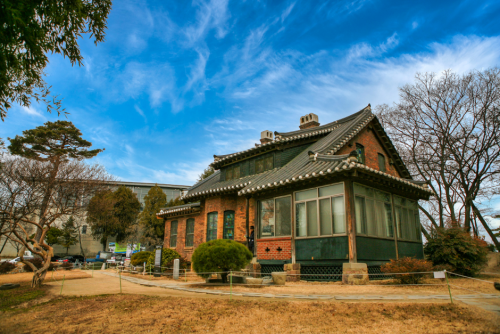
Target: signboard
x,y
158,257
439,274
127,249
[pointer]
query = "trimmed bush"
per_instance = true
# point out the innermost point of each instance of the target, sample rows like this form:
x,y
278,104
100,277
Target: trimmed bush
x,y
407,265
67,265
139,258
38,264
6,267
167,255
220,255
458,249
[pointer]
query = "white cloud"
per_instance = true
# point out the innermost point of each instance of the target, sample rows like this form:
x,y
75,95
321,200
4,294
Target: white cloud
x,y
210,15
140,112
32,111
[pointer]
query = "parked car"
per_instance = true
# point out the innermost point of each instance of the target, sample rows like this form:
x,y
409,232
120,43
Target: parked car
x,y
117,258
102,256
72,259
18,259
55,258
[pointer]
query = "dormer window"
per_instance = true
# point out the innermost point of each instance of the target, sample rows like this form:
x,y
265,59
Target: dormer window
x,y
381,162
264,164
233,172
360,150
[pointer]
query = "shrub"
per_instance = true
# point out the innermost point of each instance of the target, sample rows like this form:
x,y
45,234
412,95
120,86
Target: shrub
x,y
183,263
38,262
67,265
139,258
457,248
407,265
220,255
167,256
6,267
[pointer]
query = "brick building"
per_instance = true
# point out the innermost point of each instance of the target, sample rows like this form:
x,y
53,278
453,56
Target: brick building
x,y
318,197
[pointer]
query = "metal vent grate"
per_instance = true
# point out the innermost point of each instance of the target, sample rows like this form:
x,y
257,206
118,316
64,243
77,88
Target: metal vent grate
x,y
270,268
321,273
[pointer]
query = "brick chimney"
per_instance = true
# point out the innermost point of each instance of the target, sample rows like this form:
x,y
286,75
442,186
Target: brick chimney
x,y
266,136
309,121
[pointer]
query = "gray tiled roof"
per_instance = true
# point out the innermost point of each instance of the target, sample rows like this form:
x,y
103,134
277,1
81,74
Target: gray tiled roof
x,y
319,160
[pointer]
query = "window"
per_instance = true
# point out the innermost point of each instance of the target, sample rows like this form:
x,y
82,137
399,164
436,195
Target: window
x,y
381,162
173,234
407,219
212,226
228,231
84,229
275,217
360,150
264,164
373,211
233,172
189,232
320,211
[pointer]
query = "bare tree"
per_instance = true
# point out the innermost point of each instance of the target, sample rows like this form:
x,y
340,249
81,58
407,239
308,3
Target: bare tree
x,y
447,129
23,194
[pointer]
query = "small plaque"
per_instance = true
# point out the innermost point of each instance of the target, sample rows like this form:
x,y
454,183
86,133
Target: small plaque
x,y
439,274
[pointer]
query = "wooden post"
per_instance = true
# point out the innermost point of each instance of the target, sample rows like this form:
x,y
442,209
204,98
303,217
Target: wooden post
x,y
395,226
351,220
247,219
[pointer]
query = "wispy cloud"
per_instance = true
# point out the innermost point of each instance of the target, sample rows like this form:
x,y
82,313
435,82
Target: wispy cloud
x,y
210,15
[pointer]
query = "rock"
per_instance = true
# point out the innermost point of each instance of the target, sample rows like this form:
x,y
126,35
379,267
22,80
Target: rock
x,y
355,273
8,286
279,278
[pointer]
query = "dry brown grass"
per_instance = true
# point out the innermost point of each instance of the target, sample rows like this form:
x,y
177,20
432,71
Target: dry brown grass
x,y
190,278
386,287
135,314
58,275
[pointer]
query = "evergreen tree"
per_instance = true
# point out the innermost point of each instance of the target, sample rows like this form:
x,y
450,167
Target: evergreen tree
x,y
206,173
52,236
69,234
154,229
112,214
30,30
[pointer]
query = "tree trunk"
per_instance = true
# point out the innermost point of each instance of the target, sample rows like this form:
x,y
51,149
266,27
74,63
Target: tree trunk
x,y
486,227
39,274
80,242
424,231
224,277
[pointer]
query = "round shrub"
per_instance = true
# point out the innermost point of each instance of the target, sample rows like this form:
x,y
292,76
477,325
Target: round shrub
x,y
167,256
6,267
139,258
220,255
407,265
458,249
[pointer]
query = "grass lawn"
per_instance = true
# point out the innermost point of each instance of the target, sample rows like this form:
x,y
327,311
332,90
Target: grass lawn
x,y
21,313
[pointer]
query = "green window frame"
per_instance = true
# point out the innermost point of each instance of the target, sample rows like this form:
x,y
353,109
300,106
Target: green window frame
x,y
360,150
381,162
189,232
407,219
228,229
173,233
373,211
212,218
320,212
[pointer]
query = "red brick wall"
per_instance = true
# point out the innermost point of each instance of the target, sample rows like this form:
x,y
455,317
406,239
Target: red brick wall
x,y
373,147
213,204
272,244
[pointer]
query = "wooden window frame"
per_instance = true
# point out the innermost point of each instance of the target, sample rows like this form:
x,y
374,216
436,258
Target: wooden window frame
x,y
381,162
274,215
216,223
224,225
361,154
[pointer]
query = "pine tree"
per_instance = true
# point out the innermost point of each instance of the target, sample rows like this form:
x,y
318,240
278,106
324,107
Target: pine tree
x,y
69,234
154,229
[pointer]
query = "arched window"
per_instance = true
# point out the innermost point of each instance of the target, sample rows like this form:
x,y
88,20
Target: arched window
x,y
228,232
189,232
212,226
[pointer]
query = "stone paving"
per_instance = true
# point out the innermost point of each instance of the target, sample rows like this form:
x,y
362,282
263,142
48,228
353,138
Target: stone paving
x,y
467,299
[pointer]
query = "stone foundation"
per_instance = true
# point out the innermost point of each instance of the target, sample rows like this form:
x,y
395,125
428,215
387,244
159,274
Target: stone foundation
x,y
292,272
355,273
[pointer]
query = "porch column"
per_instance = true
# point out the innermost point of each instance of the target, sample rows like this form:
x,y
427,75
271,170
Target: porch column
x,y
351,220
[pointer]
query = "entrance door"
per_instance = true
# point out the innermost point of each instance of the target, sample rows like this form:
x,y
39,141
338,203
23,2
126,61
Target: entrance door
x,y
228,232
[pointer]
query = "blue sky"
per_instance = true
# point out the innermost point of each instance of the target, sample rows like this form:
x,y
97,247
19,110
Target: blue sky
x,y
178,81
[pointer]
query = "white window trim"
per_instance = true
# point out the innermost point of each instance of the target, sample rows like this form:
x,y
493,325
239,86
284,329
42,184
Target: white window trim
x,y
317,208
260,221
